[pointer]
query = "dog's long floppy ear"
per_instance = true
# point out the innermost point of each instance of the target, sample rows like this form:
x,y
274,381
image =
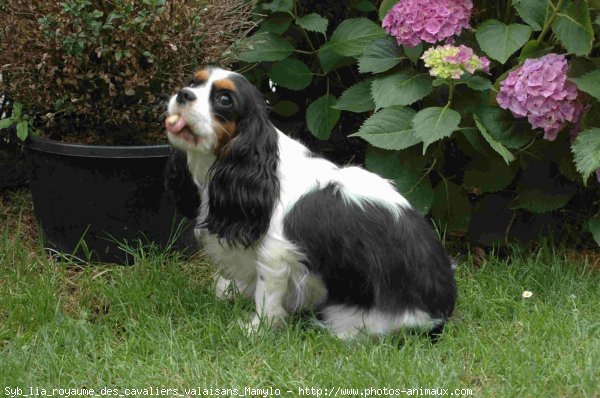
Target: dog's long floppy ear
x,y
244,185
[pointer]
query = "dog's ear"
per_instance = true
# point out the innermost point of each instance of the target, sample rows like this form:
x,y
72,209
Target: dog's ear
x,y
244,185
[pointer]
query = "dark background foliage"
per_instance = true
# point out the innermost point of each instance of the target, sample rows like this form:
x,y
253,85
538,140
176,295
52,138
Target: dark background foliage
x,y
336,81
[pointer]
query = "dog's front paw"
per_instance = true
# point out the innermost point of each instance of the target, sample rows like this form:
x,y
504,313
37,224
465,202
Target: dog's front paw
x,y
251,326
223,288
254,324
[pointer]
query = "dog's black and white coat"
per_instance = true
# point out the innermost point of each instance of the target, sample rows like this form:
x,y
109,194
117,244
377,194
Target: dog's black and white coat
x,y
294,231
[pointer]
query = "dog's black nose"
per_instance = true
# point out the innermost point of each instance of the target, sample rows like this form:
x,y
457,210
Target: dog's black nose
x,y
185,95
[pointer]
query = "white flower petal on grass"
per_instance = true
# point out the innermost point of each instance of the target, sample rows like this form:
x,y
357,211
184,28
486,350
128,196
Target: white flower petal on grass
x,y
527,294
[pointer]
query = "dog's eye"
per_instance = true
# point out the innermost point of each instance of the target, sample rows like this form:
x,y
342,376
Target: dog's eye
x,y
224,100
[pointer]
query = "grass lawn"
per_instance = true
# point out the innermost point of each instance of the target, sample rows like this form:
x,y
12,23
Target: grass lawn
x,y
157,324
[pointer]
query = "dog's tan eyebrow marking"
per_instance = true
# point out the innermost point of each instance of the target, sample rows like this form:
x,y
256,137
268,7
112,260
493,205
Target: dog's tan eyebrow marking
x,y
201,75
225,84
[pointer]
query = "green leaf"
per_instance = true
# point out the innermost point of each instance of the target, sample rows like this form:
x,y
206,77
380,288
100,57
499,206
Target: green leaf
x,y
593,226
381,55
541,189
401,88
17,110
291,74
352,35
590,83
285,108
407,170
500,41
414,53
6,123
433,124
496,146
534,49
330,61
533,12
573,27
286,6
478,83
321,117
451,207
364,5
276,24
22,130
385,7
586,150
357,98
266,47
504,128
485,175
389,129
313,22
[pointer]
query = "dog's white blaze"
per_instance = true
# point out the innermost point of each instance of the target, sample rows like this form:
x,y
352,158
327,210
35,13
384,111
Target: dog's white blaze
x,y
198,118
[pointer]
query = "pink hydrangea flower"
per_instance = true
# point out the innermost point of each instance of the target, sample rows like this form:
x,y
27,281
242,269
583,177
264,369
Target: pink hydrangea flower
x,y
413,21
540,91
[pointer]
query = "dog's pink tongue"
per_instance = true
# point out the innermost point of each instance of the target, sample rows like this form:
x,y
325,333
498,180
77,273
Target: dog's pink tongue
x,y
175,127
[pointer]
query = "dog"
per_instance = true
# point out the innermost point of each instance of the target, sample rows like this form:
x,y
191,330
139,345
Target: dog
x,y
295,232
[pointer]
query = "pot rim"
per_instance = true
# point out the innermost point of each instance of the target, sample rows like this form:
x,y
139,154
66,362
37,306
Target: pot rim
x,y
96,151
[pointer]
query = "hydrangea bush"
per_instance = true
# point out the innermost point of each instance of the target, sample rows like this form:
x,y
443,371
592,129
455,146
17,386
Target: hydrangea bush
x,y
485,114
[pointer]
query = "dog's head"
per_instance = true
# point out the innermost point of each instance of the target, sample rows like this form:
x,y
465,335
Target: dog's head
x,y
212,110
220,115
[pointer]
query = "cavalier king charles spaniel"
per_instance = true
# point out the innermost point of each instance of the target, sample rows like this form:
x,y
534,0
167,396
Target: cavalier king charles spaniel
x,y
295,232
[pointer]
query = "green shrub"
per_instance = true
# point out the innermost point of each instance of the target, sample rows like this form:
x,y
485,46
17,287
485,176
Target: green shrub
x,y
446,143
100,70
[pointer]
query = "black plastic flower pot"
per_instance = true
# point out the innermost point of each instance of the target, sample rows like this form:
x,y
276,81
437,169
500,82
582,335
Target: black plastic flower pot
x,y
93,202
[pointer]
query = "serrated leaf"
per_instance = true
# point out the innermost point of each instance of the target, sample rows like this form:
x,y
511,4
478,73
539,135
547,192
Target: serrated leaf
x,y
389,129
266,47
573,27
9,121
401,88
285,108
590,83
504,128
313,22
330,60
385,7
357,98
352,35
22,130
586,150
541,189
451,208
407,170
500,41
534,49
381,55
478,83
533,12
484,175
364,5
496,146
280,6
291,74
276,24
414,53
433,124
593,226
321,118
